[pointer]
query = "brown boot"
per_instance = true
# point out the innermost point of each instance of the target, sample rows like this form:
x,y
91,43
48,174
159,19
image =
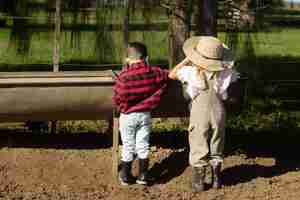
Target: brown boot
x,y
198,176
216,174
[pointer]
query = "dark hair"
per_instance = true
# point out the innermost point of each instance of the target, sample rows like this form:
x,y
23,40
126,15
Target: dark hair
x,y
137,50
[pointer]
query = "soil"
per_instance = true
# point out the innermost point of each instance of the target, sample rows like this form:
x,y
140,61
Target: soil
x,y
257,166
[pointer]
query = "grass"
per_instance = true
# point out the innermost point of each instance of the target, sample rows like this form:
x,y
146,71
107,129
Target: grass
x,y
275,43
83,52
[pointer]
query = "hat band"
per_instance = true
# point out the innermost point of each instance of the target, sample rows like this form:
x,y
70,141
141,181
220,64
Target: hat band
x,y
206,57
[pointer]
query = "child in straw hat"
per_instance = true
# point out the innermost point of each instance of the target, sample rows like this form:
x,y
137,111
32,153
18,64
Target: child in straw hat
x,y
207,72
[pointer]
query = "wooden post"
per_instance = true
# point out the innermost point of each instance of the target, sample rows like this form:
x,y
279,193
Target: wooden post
x,y
53,126
57,31
178,31
115,150
126,29
126,24
207,19
56,48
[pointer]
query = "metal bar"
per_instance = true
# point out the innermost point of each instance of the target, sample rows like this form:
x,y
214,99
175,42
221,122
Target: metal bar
x,y
68,74
55,81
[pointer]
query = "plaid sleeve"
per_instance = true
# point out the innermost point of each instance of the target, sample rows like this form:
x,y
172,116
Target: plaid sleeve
x,y
161,75
118,89
116,97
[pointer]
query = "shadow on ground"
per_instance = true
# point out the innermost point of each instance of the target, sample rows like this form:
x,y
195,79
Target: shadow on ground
x,y
282,146
170,167
23,139
173,165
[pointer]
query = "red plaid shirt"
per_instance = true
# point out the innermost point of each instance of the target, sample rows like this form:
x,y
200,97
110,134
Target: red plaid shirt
x,y
139,88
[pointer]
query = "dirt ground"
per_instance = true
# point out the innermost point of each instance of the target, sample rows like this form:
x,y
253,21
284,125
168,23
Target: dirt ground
x,y
257,166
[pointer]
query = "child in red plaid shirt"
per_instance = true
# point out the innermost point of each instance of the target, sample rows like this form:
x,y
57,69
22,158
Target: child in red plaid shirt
x,y
137,92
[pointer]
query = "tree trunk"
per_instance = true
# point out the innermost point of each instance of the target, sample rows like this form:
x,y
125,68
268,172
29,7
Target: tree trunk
x,y
207,17
179,30
56,49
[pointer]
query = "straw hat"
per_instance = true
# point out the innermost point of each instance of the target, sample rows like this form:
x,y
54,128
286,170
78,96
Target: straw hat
x,y
208,52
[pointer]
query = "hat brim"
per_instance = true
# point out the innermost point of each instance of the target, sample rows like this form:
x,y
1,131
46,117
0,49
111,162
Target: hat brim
x,y
189,49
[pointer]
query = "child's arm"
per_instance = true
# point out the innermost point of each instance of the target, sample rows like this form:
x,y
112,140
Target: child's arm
x,y
118,89
173,72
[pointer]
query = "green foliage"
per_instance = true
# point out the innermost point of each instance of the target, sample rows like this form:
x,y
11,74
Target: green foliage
x,y
41,49
80,126
162,125
259,53
262,114
104,43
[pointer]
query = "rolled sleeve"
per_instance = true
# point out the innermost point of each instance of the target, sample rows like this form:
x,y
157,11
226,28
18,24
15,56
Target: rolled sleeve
x,y
225,79
184,74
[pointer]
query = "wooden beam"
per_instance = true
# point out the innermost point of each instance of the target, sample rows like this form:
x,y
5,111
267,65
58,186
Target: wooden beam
x,y
156,27
178,32
115,151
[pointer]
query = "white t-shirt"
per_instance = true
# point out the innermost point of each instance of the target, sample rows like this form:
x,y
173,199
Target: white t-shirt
x,y
189,75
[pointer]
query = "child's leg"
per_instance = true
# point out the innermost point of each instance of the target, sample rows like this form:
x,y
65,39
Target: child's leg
x,y
142,135
142,147
199,148
128,127
217,139
217,147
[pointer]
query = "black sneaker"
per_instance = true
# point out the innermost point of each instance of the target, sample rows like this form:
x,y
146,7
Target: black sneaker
x,y
125,176
143,172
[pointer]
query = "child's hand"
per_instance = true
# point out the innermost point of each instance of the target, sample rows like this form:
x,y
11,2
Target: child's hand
x,y
127,60
173,72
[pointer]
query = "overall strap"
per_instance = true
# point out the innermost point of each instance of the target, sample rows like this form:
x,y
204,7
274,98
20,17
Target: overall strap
x,y
212,92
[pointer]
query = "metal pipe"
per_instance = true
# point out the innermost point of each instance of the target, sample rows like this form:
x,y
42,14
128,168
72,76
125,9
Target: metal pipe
x,y
71,96
55,96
